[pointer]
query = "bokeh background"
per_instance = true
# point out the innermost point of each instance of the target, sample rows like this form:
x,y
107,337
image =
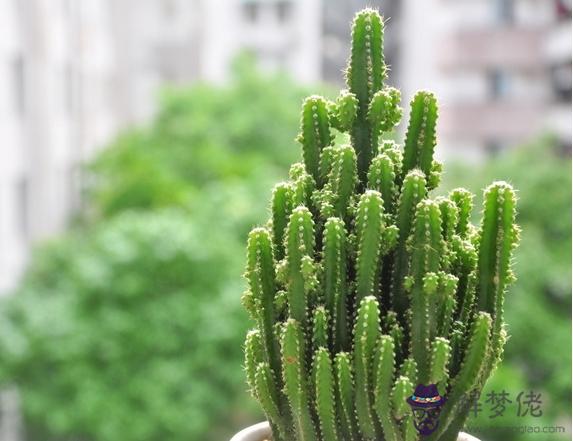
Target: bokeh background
x,y
140,141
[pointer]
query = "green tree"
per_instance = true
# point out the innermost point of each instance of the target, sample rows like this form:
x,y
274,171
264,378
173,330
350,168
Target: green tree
x,y
130,326
128,331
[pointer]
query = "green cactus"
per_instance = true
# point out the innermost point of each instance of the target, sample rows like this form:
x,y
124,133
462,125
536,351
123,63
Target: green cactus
x,y
362,285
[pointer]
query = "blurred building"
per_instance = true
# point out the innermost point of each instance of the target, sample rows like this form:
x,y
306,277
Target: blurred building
x,y
179,41
56,107
75,72
282,34
501,69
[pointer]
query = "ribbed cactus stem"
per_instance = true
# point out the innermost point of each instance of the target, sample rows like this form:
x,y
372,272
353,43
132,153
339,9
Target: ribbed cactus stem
x,y
457,341
345,392
420,139
403,388
344,111
474,362
254,354
320,328
446,306
327,160
303,185
365,74
261,275
343,180
381,177
441,352
446,314
315,133
369,235
430,286
409,369
366,335
384,372
464,201
427,246
324,384
267,392
384,112
409,431
449,212
464,265
249,303
281,207
499,236
300,243
391,326
334,284
397,334
413,191
295,380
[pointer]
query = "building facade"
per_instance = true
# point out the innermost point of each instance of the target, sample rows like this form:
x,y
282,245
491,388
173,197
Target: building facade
x,y
56,107
501,69
181,41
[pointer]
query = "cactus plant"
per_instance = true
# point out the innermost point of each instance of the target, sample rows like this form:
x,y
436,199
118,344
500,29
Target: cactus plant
x,y
362,285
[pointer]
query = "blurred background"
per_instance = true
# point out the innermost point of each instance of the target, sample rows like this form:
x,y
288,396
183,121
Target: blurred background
x,y
141,140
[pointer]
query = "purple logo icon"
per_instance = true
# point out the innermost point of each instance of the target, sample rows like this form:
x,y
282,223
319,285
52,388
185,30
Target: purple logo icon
x,y
426,404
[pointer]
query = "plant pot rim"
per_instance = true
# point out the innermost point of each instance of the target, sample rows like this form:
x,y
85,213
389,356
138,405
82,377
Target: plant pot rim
x,y
262,431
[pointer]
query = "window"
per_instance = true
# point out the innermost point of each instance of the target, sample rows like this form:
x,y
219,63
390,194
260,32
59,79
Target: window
x,y
499,84
561,81
564,147
251,11
19,82
563,9
284,9
493,147
504,11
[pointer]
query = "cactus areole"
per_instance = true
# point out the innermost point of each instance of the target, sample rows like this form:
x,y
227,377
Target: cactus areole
x,y
362,285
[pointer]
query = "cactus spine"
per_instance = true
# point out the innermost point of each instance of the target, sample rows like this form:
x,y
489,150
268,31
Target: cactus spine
x,y
363,285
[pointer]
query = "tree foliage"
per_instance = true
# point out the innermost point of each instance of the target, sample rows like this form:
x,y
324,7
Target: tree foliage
x,y
120,333
202,135
130,327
